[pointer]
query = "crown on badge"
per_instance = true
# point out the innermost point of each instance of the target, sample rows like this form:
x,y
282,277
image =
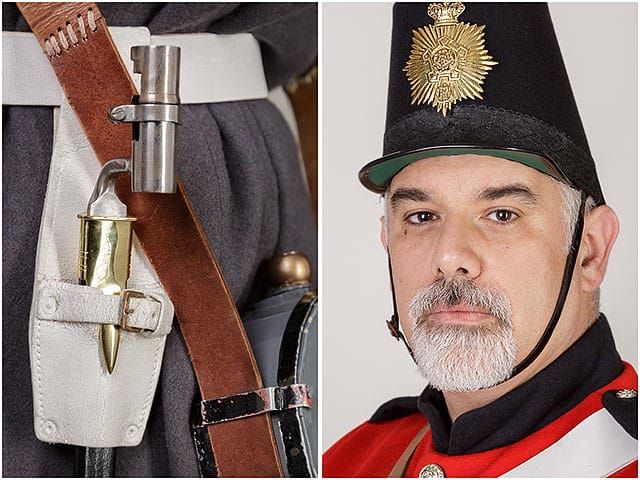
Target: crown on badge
x,y
448,61
445,13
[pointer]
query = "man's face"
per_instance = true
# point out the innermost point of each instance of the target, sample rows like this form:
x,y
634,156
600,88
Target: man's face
x,y
489,220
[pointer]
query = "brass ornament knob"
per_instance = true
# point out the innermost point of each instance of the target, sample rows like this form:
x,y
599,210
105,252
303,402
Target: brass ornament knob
x,y
289,269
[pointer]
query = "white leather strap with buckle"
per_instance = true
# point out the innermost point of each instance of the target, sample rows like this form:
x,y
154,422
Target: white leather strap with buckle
x,y
68,302
213,68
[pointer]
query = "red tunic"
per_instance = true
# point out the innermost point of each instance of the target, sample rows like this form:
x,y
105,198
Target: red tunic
x,y
372,449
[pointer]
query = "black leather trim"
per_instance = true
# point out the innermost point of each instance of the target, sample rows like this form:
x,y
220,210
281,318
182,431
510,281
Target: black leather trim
x,y
204,453
95,462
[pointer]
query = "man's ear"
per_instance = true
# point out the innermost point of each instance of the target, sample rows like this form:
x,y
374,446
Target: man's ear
x,y
383,234
600,233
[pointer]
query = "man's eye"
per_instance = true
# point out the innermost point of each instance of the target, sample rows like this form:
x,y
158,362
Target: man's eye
x,y
503,216
421,217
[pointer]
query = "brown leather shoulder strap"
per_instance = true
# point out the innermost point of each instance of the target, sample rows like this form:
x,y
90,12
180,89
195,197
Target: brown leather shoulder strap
x,y
401,465
94,79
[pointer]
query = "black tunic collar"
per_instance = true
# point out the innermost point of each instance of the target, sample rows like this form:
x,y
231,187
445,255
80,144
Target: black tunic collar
x,y
587,365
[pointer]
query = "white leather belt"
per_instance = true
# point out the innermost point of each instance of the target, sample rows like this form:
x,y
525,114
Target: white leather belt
x,y
214,68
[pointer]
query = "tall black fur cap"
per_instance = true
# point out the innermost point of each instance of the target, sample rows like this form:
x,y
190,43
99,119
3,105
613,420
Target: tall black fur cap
x,y
527,104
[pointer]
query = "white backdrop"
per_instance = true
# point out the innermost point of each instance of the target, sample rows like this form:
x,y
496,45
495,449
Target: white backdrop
x,y
362,366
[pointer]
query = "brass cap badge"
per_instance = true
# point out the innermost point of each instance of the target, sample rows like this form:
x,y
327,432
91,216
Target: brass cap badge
x,y
448,61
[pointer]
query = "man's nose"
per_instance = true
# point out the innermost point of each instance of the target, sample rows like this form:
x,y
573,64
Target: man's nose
x,y
455,250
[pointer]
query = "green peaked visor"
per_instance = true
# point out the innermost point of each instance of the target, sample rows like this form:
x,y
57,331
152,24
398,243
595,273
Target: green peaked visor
x,y
377,175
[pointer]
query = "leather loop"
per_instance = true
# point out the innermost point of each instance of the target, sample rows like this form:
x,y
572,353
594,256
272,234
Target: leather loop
x,y
94,79
67,302
270,399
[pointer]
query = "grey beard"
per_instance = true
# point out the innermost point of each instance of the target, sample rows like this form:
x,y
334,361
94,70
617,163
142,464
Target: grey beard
x,y
456,357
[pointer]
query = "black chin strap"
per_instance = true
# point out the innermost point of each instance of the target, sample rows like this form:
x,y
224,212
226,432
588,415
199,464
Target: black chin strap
x,y
562,296
394,324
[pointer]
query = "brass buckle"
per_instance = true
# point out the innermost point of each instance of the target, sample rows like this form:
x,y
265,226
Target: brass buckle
x,y
126,310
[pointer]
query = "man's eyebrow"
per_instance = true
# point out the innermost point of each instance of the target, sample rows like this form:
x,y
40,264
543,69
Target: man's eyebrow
x,y
518,190
408,193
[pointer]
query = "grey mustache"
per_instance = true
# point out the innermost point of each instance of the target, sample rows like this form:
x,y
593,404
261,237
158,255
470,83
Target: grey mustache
x,y
449,293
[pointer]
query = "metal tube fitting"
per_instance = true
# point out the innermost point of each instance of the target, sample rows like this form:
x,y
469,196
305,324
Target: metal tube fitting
x,y
153,156
154,115
159,66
